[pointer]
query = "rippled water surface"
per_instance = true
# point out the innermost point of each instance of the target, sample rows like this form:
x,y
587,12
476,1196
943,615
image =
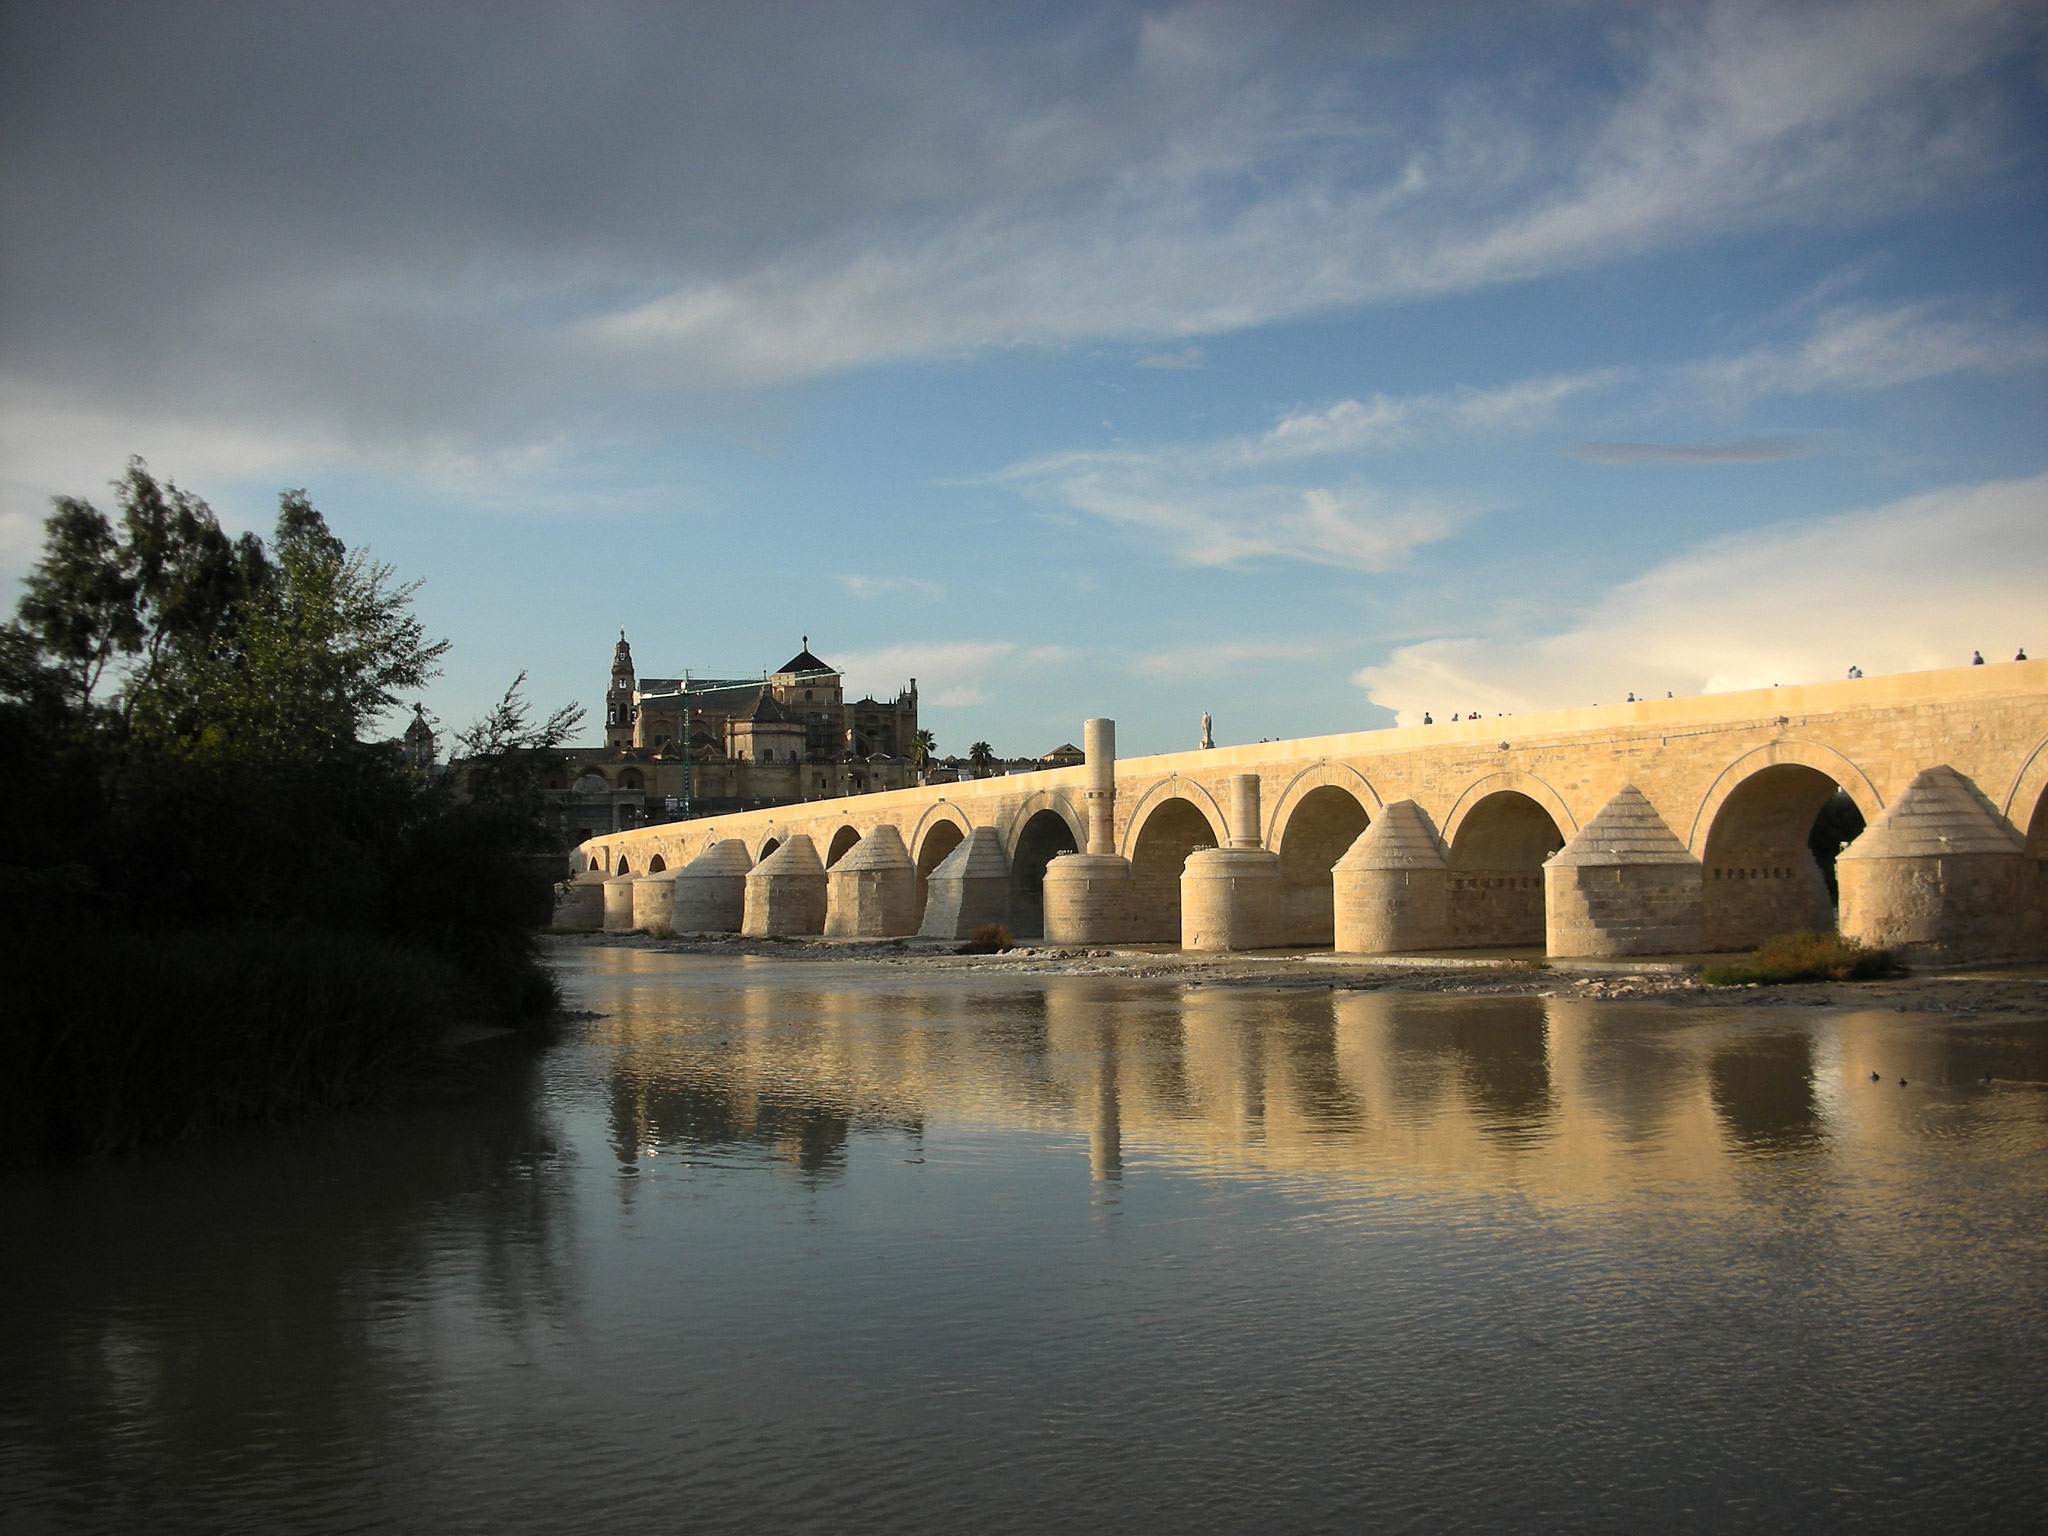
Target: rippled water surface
x,y
853,1247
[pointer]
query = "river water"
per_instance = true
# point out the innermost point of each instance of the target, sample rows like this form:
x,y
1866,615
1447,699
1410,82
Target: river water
x,y
850,1247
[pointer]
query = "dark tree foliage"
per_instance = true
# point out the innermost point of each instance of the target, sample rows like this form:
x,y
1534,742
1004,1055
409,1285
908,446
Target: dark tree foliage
x,y
182,730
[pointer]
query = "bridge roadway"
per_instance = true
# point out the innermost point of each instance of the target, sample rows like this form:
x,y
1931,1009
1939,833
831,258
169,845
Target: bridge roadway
x,y
1666,826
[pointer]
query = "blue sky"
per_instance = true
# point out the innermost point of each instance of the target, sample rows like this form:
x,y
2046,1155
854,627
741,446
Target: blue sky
x,y
1314,366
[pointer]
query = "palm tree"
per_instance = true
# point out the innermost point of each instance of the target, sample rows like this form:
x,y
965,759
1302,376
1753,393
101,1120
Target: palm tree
x,y
922,746
981,757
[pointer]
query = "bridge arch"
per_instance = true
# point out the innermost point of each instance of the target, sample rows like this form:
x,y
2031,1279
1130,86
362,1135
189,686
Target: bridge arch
x,y
842,844
2026,807
1044,827
1321,821
625,864
1173,819
1766,836
1527,784
2024,802
656,865
1498,836
1323,772
769,844
938,832
1174,787
1810,754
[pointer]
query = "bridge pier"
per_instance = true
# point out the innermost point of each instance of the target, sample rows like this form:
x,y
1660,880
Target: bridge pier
x,y
711,890
579,905
1624,885
618,903
1230,898
1392,888
654,901
1938,876
970,889
871,893
786,892
1088,895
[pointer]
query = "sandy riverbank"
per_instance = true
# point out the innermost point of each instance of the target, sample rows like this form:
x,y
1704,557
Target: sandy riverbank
x,y
2016,991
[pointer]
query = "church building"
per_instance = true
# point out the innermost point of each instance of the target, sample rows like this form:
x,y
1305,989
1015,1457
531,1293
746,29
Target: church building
x,y
697,746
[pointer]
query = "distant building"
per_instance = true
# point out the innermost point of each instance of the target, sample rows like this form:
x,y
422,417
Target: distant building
x,y
787,736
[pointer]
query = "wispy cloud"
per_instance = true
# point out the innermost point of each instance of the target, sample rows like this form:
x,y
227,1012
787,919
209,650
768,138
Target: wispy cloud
x,y
1748,450
1185,357
1732,116
890,586
949,673
1903,587
1294,491
1226,656
1867,347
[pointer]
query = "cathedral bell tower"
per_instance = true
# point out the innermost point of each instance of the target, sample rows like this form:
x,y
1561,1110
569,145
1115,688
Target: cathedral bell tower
x,y
618,699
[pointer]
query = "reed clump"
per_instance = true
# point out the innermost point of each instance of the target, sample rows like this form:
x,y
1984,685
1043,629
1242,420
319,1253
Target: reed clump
x,y
989,939
1804,956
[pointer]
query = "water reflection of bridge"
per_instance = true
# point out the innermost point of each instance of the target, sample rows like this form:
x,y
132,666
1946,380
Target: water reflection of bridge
x,y
1557,1097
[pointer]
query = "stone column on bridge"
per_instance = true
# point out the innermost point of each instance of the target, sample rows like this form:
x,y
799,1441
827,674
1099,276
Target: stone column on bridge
x,y
1230,897
711,890
970,889
871,893
786,891
1391,889
1088,895
1624,885
1936,876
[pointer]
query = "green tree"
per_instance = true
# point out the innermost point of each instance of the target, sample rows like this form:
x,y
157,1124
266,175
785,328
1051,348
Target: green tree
x,y
982,758
922,746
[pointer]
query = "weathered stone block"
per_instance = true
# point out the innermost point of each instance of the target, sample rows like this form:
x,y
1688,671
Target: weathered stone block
x,y
654,897
871,893
1230,898
1087,898
579,903
970,889
1391,886
1939,876
711,890
786,891
618,903
1623,886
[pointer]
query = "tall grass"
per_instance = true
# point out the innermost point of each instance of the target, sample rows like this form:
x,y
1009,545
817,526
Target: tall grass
x,y
1804,956
112,1039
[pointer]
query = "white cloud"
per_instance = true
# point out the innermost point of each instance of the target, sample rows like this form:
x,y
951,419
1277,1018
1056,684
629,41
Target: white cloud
x,y
1855,347
869,587
1224,502
1225,656
1748,450
948,672
1912,585
1733,116
1185,357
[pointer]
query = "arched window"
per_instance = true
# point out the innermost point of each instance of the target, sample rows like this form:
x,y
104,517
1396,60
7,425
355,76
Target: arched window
x,y
767,754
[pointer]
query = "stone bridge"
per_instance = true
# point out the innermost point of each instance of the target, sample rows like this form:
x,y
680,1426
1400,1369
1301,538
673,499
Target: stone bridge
x,y
1671,826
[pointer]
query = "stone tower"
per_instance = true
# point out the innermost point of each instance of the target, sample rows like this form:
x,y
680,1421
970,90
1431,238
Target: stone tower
x,y
618,699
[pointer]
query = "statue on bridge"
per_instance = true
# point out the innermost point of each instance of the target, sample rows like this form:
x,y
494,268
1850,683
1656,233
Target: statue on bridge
x,y
1208,741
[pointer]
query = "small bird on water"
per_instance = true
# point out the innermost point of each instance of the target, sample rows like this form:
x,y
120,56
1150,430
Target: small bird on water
x,y
1902,1082
1877,1077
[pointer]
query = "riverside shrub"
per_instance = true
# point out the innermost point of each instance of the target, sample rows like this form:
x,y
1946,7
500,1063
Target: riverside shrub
x,y
1804,956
